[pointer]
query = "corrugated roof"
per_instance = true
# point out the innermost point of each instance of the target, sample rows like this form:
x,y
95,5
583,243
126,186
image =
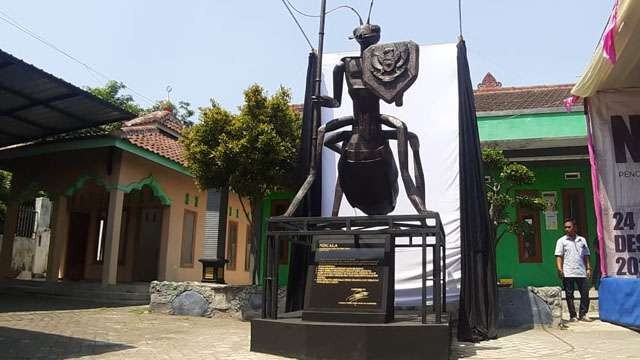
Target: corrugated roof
x,y
35,104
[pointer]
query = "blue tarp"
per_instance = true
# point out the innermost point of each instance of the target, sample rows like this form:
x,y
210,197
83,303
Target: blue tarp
x,y
619,301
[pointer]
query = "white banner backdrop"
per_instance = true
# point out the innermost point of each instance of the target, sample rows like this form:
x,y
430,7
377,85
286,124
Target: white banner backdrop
x,y
431,111
615,125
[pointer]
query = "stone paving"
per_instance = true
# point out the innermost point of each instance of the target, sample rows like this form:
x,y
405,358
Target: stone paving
x,y
595,340
35,328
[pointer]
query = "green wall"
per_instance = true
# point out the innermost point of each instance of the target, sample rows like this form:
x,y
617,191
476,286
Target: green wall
x,y
283,273
532,126
548,178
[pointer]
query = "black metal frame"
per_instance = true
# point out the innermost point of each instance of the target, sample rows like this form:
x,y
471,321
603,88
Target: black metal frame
x,y
300,229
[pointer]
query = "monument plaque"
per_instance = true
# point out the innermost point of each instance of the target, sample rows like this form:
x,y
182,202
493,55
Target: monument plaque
x,y
351,279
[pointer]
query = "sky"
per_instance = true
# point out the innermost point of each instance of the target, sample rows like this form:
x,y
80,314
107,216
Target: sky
x,y
214,49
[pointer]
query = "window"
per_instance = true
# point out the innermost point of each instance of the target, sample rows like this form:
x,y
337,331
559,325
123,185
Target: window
x,y
188,238
247,250
232,242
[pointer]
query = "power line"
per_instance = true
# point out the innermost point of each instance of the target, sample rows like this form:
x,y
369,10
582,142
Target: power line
x,y
327,12
284,2
9,20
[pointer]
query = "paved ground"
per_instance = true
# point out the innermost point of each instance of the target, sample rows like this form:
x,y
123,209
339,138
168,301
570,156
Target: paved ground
x,y
36,328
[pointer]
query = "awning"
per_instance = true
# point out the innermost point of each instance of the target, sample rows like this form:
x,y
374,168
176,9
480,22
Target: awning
x,y
601,74
35,104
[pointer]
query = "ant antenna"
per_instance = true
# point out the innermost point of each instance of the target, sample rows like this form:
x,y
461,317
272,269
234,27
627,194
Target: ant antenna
x,y
370,7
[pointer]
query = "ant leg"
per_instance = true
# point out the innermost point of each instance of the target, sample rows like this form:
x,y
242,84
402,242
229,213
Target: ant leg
x,y
418,173
332,125
340,137
403,157
331,142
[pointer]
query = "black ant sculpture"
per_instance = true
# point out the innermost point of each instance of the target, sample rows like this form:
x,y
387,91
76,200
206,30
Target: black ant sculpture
x,y
367,173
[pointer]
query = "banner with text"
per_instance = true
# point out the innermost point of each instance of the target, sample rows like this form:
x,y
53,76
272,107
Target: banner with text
x,y
615,125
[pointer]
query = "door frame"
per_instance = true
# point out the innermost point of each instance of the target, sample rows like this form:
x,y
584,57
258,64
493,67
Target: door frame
x,y
521,214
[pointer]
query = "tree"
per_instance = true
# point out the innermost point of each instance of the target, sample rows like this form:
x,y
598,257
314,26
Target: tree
x,y
112,93
501,194
253,152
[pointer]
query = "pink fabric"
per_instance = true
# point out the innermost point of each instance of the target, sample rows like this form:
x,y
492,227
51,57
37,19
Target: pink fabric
x,y
570,102
596,195
609,46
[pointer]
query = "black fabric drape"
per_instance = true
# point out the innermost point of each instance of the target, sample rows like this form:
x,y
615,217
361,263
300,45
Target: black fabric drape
x,y
311,206
477,314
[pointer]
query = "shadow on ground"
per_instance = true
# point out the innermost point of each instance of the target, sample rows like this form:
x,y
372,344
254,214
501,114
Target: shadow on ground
x,y
32,302
26,344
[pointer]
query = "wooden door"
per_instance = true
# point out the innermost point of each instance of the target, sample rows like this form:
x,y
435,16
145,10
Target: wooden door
x,y
573,207
529,244
148,249
76,245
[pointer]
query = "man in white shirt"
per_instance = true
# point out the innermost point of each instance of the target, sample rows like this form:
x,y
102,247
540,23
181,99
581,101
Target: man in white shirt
x,y
574,268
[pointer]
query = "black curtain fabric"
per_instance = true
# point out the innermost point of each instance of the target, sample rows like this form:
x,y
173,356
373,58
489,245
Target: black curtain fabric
x,y
477,314
311,206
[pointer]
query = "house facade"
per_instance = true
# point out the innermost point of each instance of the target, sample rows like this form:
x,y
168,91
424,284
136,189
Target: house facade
x,y
125,207
533,128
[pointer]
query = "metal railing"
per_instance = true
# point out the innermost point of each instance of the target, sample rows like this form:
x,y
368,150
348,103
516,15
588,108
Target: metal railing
x,y
26,221
424,231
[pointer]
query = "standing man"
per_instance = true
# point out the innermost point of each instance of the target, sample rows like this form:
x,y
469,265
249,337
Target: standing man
x,y
574,268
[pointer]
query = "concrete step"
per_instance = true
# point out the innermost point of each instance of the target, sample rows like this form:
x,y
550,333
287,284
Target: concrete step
x,y
127,294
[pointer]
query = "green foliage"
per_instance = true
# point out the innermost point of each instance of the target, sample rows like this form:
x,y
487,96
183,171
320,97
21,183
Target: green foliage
x,y
253,152
111,93
506,176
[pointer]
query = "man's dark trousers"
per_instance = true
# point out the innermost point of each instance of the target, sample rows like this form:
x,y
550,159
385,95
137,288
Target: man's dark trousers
x,y
581,284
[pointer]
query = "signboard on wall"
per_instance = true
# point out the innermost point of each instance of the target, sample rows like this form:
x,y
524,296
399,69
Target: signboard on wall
x,y
615,127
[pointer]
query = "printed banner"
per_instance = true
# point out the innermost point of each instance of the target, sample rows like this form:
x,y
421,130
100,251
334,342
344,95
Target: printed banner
x,y
431,111
615,126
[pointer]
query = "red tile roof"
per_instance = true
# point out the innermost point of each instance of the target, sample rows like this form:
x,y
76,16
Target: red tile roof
x,y
165,118
491,96
159,144
157,132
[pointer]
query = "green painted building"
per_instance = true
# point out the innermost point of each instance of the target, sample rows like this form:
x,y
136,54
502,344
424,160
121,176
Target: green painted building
x,y
532,127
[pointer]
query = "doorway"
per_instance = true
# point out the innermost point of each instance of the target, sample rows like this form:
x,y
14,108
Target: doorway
x,y
148,249
573,206
77,245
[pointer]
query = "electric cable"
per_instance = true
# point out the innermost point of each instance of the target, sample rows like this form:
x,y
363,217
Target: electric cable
x,y
284,2
327,12
9,20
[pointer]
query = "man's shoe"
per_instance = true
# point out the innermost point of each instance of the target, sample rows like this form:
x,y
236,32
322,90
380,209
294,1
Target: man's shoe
x,y
585,319
573,319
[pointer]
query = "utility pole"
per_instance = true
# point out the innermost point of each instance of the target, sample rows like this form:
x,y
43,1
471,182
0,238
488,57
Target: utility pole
x,y
317,109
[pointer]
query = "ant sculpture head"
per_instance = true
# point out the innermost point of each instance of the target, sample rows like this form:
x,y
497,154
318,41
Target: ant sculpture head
x,y
366,35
